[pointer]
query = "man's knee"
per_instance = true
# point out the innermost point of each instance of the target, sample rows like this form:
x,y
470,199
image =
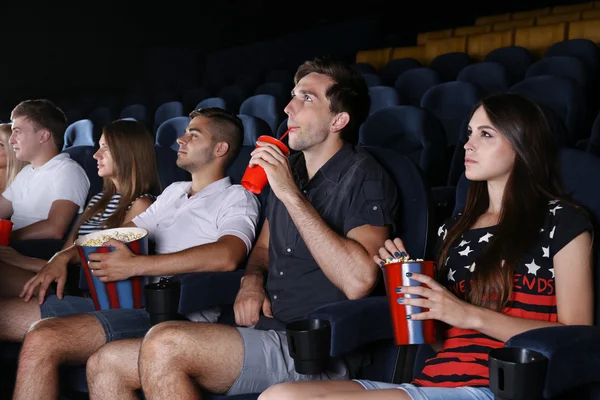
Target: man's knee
x,y
276,392
103,361
164,340
42,338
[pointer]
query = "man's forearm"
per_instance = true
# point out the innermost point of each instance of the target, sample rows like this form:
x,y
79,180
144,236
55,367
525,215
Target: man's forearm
x,y
210,257
44,229
340,258
257,267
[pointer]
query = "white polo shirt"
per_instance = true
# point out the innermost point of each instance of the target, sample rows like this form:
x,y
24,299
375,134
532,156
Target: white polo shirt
x,y
177,222
35,189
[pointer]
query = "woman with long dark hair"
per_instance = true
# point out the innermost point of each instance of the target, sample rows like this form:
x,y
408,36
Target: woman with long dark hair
x,y
519,257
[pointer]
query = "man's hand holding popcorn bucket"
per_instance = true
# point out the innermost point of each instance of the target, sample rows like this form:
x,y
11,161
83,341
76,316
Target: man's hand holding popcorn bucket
x,y
106,258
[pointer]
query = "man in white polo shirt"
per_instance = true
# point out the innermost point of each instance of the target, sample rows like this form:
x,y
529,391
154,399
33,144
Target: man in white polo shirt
x,y
207,224
51,190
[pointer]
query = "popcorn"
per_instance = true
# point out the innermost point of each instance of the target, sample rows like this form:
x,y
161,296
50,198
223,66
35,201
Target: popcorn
x,y
401,259
124,237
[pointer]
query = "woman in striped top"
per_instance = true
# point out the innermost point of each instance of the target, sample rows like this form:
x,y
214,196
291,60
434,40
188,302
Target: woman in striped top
x,y
127,162
519,257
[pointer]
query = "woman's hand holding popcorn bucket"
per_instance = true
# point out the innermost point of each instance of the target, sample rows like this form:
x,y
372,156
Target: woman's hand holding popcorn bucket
x,y
108,260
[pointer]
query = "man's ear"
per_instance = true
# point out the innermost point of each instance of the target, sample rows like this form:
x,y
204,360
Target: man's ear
x,y
45,135
221,149
340,121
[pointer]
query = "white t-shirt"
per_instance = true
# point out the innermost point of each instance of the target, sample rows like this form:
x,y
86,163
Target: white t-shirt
x,y
177,222
35,189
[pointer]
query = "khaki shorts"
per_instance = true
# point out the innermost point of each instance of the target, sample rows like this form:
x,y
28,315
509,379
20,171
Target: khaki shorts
x,y
267,362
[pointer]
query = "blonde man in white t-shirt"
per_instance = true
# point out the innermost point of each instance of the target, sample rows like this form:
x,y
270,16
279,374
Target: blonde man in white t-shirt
x,y
47,194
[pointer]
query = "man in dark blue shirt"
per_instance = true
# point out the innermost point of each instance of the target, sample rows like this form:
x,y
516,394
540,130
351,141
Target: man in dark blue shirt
x,y
331,207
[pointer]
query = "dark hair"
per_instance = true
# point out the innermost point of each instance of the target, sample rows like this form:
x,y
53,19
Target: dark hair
x,y
44,115
132,148
228,128
349,92
532,183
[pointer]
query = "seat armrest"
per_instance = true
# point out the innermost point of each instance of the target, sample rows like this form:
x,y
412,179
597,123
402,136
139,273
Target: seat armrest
x,y
208,289
355,323
573,354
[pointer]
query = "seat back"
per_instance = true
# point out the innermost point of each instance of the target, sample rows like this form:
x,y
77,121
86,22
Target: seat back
x,y
561,95
394,68
168,132
135,111
413,84
451,102
216,102
449,65
80,133
414,220
253,128
383,97
372,79
167,111
488,76
83,155
234,96
515,59
412,132
563,66
263,106
584,50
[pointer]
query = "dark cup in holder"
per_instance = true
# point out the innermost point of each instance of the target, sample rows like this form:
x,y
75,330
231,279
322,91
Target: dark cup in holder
x,y
162,300
309,343
517,374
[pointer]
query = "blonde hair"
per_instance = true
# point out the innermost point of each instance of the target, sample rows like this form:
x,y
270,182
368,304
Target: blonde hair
x,y
13,165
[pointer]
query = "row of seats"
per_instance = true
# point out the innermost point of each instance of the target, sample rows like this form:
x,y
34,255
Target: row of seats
x,y
536,39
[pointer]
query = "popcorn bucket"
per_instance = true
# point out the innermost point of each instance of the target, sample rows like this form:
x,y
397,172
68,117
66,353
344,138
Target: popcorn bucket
x,y
128,293
407,331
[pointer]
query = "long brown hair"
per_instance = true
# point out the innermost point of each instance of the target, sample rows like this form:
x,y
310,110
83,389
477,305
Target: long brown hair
x,y
533,181
135,168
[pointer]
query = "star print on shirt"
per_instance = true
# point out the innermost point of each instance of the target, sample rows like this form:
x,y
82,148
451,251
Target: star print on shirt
x,y
532,267
553,211
546,251
466,251
552,202
470,267
552,270
451,275
485,238
552,233
442,231
463,243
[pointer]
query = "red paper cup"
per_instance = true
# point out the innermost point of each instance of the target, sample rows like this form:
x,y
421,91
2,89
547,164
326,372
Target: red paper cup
x,y
5,231
255,178
407,331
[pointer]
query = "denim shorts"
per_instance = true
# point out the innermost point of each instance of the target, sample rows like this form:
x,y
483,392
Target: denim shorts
x,y
121,323
432,393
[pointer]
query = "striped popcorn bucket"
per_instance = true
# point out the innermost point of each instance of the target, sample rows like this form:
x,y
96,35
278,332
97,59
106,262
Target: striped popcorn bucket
x,y
128,293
